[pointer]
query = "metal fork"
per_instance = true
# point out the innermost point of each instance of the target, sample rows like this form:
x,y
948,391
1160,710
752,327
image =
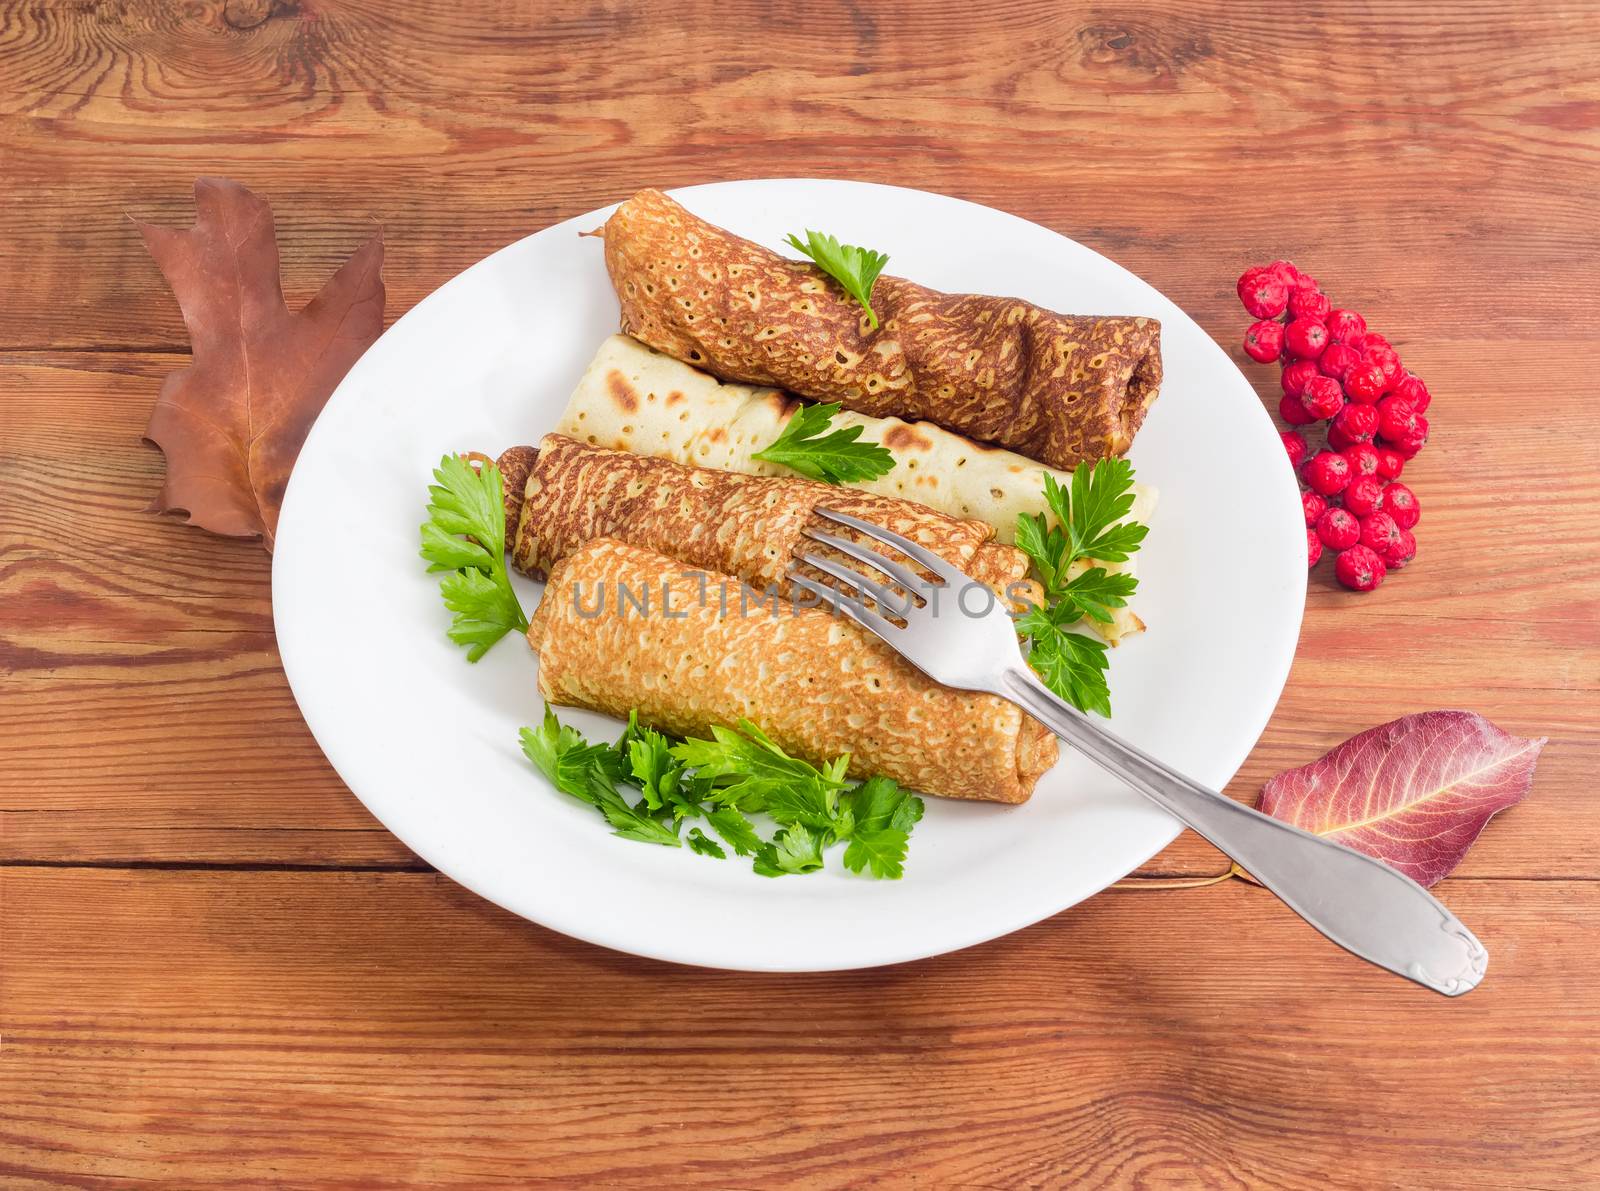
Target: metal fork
x,y
1360,903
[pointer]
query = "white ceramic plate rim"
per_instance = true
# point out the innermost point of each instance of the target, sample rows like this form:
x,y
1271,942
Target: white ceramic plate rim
x,y
327,682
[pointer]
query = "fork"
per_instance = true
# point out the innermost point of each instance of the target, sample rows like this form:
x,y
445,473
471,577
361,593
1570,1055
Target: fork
x,y
1359,903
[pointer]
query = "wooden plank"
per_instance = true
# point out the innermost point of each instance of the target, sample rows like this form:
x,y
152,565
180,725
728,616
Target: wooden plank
x,y
1426,152
294,1029
144,714
146,718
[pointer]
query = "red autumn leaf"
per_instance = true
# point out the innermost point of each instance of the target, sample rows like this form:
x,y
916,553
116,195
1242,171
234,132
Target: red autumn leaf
x,y
1414,792
232,422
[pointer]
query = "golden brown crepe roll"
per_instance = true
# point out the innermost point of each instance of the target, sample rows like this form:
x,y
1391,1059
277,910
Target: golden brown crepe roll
x,y
747,526
1058,388
818,685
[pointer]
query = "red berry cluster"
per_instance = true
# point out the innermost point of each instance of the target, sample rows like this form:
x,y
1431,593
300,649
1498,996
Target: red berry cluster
x,y
1336,371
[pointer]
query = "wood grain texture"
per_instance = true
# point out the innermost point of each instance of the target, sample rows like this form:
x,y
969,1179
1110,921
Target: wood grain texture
x,y
1433,164
1416,149
232,1029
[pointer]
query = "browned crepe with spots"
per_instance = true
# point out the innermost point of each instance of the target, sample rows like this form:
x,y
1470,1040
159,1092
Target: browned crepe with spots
x,y
566,493
817,684
1059,388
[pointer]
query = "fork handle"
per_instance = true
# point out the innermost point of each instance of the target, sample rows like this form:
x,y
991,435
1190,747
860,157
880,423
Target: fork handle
x,y
1360,903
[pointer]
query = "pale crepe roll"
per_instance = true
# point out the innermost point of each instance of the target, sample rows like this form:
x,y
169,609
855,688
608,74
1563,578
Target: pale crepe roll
x,y
687,652
635,399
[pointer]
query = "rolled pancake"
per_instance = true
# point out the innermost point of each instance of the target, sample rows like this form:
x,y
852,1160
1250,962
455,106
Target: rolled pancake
x,y
750,527
635,399
1059,388
817,684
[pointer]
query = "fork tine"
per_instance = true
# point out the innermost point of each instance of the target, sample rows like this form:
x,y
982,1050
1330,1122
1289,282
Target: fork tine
x,y
870,621
881,596
906,546
912,583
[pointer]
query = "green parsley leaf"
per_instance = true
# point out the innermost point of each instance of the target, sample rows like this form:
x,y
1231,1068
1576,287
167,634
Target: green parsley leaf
x,y
1117,542
794,850
1096,591
1101,496
652,767
1058,497
630,822
563,756
835,458
1073,666
1045,545
629,734
812,804
736,831
750,771
721,779
465,535
882,851
856,269
1088,522
1043,620
485,609
702,843
880,802
1089,526
884,815
689,798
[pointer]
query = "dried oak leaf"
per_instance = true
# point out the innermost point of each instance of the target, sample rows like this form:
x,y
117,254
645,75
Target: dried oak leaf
x,y
232,422
1414,792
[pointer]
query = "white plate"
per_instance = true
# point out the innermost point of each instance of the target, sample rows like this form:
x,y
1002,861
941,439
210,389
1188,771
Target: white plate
x,y
429,742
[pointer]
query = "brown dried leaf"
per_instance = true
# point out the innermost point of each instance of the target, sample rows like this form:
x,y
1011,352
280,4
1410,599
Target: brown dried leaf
x,y
232,422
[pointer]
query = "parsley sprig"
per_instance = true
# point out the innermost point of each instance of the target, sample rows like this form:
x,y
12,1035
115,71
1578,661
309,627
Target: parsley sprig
x,y
856,269
836,458
1090,525
725,780
464,536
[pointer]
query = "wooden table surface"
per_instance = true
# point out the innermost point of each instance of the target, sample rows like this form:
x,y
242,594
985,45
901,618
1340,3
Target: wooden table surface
x,y
217,969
